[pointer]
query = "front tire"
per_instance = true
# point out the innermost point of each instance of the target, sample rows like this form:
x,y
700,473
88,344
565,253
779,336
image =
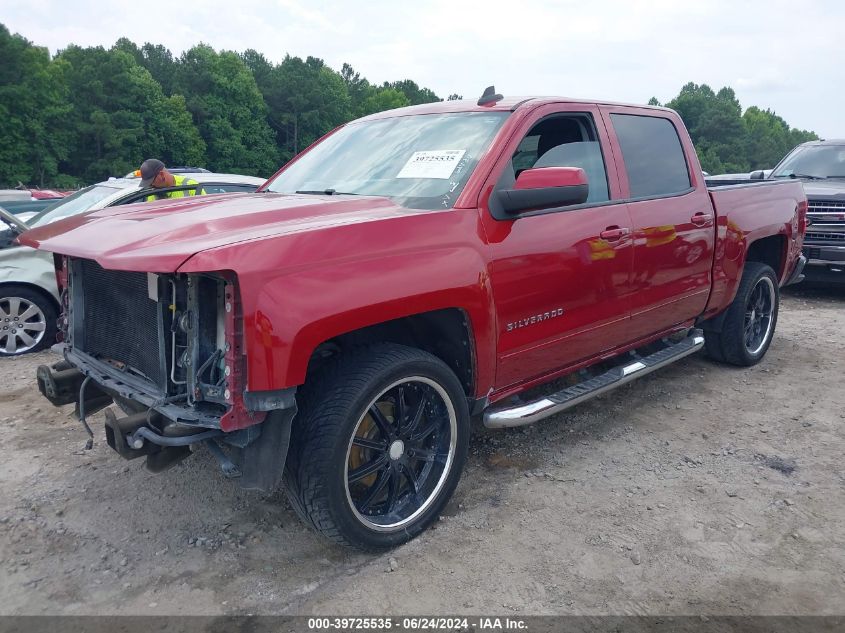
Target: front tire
x,y
750,321
27,320
378,446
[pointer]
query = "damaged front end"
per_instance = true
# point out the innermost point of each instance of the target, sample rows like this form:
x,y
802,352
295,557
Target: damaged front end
x,y
169,350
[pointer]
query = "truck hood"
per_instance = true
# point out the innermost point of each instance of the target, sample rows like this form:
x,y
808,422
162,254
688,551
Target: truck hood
x,y
825,189
160,236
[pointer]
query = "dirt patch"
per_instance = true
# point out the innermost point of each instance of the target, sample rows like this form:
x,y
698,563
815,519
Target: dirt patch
x,y
699,489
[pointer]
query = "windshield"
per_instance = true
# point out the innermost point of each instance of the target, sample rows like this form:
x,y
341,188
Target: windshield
x,y
420,161
819,161
75,203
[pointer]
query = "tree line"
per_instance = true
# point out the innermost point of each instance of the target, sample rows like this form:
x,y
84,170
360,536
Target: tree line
x,y
729,140
89,113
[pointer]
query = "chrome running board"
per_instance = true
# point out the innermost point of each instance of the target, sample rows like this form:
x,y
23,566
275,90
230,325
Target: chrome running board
x,y
530,412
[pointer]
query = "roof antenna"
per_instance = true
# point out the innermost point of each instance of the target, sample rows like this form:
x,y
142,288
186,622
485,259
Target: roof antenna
x,y
489,97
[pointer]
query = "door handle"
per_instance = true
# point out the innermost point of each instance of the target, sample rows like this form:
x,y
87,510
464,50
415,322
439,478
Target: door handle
x,y
613,233
700,218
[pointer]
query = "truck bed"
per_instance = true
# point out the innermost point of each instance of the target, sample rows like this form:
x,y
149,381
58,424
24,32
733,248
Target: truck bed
x,y
747,212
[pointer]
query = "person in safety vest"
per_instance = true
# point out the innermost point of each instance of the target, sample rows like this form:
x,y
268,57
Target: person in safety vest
x,y
155,175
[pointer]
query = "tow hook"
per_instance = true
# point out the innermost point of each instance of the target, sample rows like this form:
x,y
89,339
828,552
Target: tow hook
x,y
120,435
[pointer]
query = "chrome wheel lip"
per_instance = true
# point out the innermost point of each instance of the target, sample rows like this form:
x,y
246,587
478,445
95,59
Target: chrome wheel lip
x,y
760,319
447,468
19,333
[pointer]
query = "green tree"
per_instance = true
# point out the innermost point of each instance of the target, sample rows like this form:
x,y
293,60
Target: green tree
x,y
306,99
33,108
159,61
796,137
714,121
358,88
415,94
228,109
728,139
383,99
770,137
128,46
260,68
121,115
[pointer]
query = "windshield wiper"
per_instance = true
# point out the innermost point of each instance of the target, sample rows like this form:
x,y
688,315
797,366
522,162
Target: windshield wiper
x,y
14,223
808,176
326,192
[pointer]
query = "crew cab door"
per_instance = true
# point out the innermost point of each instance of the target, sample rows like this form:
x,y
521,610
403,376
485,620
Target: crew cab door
x,y
672,214
560,276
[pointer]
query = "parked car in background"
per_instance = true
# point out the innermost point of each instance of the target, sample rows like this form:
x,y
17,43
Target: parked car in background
x,y
414,267
25,203
29,298
48,194
22,193
752,175
7,195
27,209
820,165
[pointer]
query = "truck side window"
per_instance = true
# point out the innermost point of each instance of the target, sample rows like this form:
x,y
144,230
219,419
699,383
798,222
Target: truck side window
x,y
564,141
653,155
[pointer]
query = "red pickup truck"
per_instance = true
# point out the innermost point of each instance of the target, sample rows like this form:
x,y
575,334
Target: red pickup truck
x,y
411,269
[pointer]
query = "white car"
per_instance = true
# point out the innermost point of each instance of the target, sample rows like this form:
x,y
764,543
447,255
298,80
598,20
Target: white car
x,y
29,298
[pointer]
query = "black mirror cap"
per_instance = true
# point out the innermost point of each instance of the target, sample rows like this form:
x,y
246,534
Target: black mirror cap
x,y
518,200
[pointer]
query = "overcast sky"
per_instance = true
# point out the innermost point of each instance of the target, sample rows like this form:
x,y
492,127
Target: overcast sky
x,y
783,55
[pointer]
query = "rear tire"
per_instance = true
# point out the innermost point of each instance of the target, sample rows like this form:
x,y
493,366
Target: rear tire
x,y
27,320
378,446
750,321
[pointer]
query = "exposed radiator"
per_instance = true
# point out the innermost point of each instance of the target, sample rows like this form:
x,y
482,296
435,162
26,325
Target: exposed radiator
x,y
120,321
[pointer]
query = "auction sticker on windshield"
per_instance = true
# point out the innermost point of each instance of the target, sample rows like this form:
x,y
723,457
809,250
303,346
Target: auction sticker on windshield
x,y
432,164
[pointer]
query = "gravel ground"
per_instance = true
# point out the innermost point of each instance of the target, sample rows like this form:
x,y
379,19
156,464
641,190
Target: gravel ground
x,y
699,489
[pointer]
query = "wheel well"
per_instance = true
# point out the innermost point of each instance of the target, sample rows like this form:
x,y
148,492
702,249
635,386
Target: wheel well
x,y
33,288
768,250
446,334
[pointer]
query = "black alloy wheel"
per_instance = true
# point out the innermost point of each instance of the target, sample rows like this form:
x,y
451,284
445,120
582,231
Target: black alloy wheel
x,y
400,453
742,335
377,446
759,315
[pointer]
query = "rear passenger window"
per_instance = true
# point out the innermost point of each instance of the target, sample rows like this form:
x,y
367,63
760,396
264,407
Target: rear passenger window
x,y
654,158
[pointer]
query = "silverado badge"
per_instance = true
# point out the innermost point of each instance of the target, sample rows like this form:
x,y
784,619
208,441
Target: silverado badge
x,y
536,318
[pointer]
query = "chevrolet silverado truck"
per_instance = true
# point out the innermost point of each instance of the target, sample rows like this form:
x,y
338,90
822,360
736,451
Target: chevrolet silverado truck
x,y
820,165
336,331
